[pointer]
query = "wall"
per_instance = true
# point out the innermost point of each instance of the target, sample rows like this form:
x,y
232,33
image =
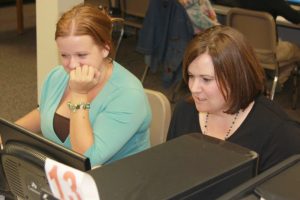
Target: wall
x,y
47,14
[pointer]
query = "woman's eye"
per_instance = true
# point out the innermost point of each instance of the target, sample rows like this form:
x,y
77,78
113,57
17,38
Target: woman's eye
x,y
190,76
207,80
82,55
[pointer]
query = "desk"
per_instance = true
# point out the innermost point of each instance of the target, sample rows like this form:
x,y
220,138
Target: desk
x,y
286,30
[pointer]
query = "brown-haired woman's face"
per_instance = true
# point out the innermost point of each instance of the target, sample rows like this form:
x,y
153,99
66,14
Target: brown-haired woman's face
x,y
203,85
76,51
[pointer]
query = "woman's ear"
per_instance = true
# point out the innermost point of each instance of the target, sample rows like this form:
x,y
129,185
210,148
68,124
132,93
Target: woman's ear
x,y
105,51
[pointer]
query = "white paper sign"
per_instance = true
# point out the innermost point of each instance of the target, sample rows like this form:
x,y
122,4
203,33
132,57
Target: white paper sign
x,y
67,183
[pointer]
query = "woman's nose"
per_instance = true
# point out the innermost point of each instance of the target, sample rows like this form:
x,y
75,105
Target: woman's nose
x,y
73,63
195,86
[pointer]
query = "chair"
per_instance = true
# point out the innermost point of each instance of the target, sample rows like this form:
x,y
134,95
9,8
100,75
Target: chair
x,y
161,116
117,25
133,11
20,16
260,29
117,33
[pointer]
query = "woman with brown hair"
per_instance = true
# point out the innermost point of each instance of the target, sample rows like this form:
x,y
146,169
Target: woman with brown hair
x,y
90,103
227,102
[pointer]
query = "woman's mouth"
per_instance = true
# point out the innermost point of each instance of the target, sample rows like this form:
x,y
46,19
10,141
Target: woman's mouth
x,y
199,99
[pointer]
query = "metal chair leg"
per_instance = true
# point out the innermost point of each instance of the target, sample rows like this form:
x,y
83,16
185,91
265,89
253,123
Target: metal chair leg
x,y
295,88
273,89
145,73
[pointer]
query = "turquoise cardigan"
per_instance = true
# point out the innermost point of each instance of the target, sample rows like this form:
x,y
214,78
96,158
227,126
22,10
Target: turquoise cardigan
x,y
120,115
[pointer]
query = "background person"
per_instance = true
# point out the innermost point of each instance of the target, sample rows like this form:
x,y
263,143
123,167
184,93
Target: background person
x,y
227,102
274,7
201,14
90,103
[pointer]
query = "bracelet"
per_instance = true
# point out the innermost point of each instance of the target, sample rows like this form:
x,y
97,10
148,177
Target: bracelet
x,y
75,107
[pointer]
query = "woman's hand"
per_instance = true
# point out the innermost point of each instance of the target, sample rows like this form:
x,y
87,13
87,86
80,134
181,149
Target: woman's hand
x,y
83,79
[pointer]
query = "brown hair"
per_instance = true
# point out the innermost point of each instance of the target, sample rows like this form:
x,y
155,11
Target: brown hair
x,y
238,72
85,19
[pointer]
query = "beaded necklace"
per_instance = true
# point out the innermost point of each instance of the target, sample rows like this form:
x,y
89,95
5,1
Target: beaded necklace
x,y
228,131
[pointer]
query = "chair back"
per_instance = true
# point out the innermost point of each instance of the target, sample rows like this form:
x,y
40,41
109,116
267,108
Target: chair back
x,y
260,29
134,8
117,33
161,116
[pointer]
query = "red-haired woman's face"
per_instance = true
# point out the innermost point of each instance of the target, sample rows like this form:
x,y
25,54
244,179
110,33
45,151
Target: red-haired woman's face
x,y
76,51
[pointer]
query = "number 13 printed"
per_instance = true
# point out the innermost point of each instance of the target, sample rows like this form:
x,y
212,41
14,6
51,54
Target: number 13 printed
x,y
68,178
67,183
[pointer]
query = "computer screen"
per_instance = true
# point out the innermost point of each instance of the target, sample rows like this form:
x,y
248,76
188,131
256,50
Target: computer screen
x,y
23,157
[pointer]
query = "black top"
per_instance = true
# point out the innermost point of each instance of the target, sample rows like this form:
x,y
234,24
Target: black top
x,y
267,130
274,7
61,126
231,3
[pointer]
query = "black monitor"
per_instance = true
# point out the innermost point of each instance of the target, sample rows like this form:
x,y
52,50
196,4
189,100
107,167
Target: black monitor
x,y
279,182
23,158
193,166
